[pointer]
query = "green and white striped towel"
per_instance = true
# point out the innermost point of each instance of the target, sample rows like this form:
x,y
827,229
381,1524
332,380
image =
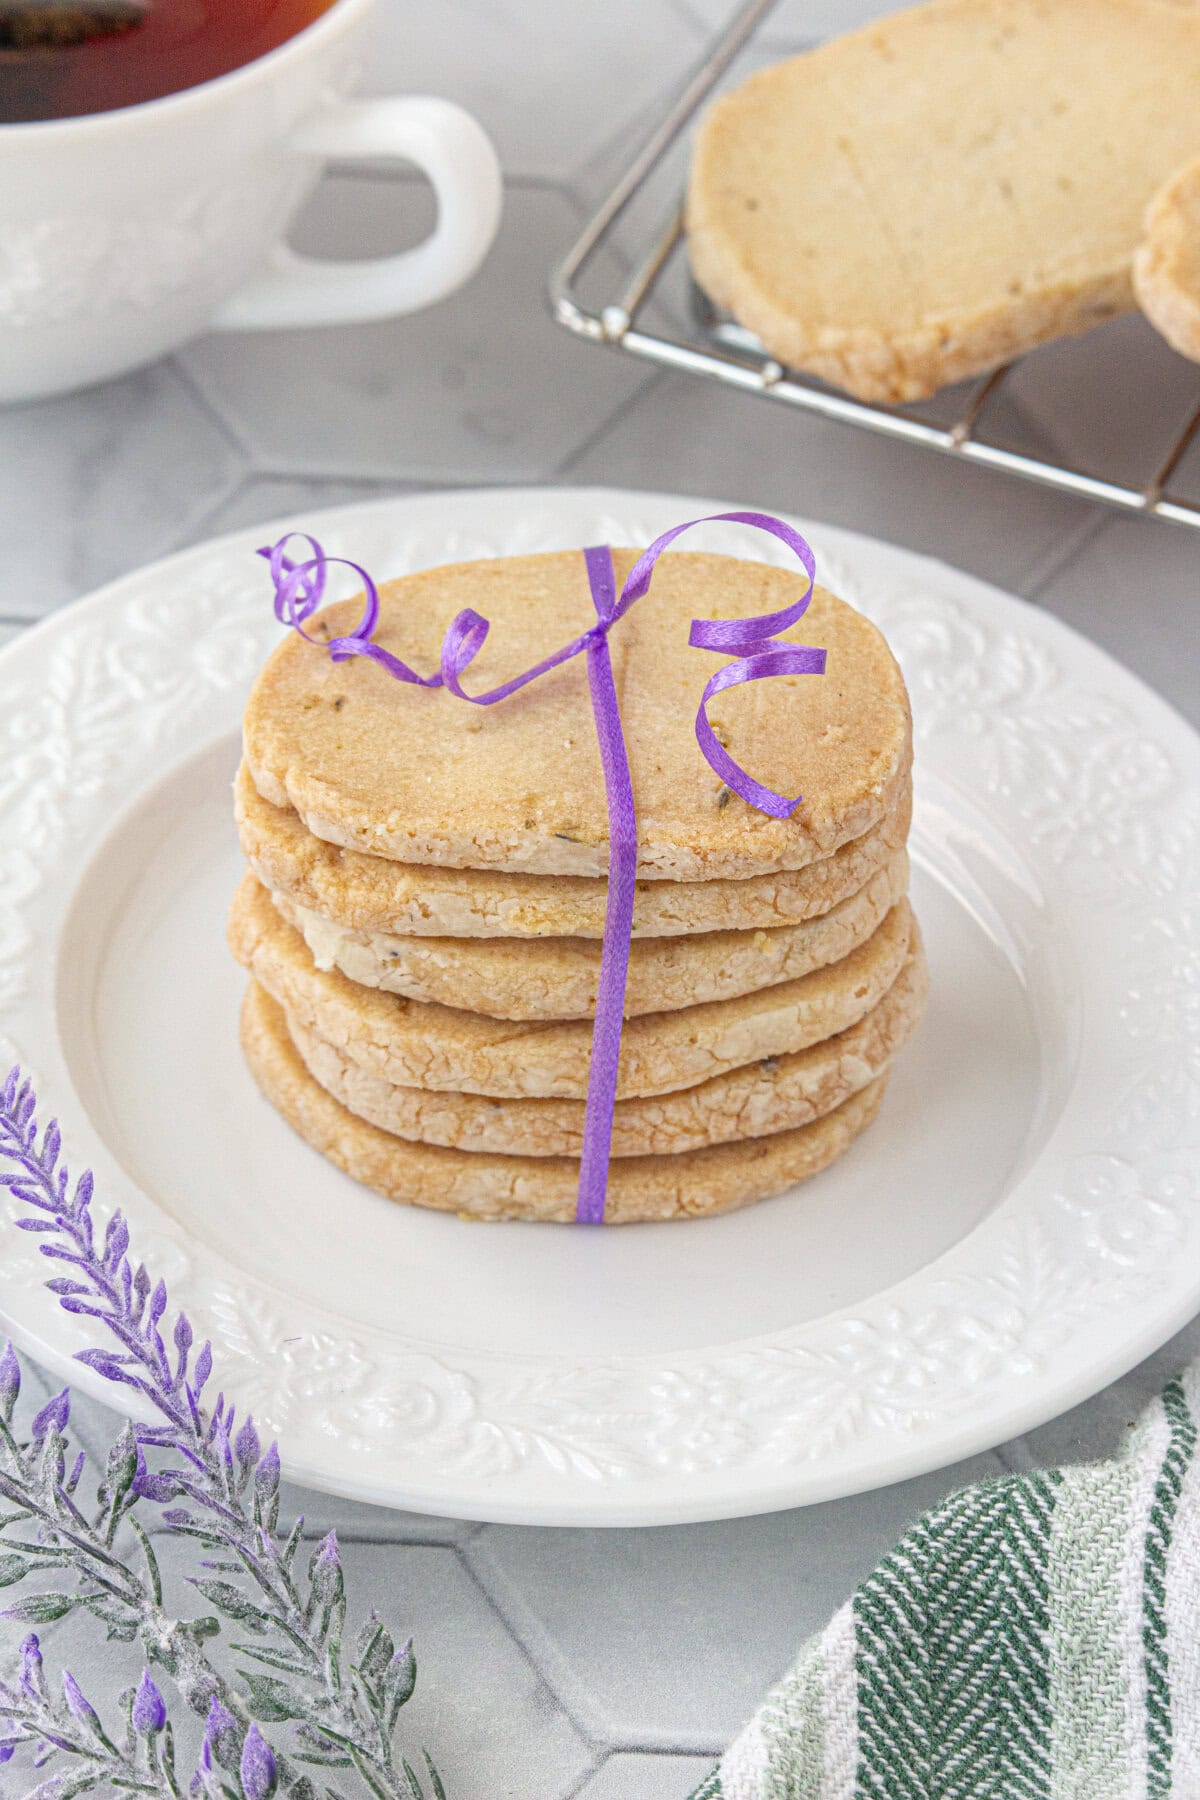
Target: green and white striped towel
x,y
1033,1638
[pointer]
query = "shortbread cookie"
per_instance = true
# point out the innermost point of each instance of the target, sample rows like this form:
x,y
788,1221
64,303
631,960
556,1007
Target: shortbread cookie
x,y
420,776
1166,269
776,1094
415,1044
377,894
527,1187
557,978
929,196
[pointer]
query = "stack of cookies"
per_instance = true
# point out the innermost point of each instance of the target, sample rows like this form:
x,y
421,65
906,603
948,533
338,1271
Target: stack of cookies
x,y
424,907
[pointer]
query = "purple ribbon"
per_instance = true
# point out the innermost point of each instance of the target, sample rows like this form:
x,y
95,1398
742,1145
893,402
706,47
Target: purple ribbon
x,y
299,589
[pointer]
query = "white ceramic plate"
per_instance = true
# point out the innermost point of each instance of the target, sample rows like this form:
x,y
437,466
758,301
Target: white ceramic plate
x,y
1021,1225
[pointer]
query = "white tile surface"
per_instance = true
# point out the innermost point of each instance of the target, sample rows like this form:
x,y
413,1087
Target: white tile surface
x,y
489,1718
689,435
669,1637
95,483
1133,588
548,86
354,1521
264,498
1120,387
484,388
642,1777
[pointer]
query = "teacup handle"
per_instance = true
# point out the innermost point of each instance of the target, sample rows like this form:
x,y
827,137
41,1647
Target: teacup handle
x,y
446,144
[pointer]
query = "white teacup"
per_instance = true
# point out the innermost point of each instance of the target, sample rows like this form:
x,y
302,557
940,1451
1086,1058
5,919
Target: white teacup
x,y
123,234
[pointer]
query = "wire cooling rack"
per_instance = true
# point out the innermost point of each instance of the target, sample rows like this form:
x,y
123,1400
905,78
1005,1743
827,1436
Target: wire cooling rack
x,y
631,264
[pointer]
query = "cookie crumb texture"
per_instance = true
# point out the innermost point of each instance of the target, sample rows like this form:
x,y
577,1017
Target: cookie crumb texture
x,y
776,1093
558,978
1166,270
378,894
705,1182
418,1044
416,775
928,197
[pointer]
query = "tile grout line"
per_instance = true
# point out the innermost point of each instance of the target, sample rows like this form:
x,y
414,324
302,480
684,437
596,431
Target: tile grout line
x,y
557,1674
585,1780
224,427
194,534
1015,1457
642,1751
586,1729
693,20
562,471
588,1776
1060,557
270,472
202,527
345,1539
208,523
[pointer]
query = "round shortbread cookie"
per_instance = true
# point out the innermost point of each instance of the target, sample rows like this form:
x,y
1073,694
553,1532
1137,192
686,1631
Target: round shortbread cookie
x,y
557,978
1166,269
413,1043
690,1185
374,893
776,1094
940,191
415,774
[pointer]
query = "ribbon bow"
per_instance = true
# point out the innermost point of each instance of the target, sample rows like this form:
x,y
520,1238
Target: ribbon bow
x,y
299,589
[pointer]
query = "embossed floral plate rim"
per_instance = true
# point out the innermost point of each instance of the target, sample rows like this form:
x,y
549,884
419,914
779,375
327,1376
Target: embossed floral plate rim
x,y
1090,1261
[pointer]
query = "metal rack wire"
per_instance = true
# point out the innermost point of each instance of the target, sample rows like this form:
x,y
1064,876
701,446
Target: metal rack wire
x,y
694,337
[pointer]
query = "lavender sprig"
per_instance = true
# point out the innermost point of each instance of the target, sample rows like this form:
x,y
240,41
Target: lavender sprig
x,y
344,1712
58,1538
142,1761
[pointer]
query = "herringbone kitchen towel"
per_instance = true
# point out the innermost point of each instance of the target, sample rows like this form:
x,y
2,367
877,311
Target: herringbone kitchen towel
x,y
1033,1638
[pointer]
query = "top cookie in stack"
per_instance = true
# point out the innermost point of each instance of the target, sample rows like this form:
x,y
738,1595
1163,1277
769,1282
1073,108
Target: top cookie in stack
x,y
428,880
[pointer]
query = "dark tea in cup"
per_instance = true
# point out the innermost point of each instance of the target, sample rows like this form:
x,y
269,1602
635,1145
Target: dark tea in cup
x,y
63,58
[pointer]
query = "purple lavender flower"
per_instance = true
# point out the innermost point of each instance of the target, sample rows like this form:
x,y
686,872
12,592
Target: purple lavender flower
x,y
32,1679
260,1776
221,1736
159,1488
116,1241
53,1416
10,1381
266,1489
215,1460
246,1447
327,1578
149,1708
205,1781
267,1472
78,1704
